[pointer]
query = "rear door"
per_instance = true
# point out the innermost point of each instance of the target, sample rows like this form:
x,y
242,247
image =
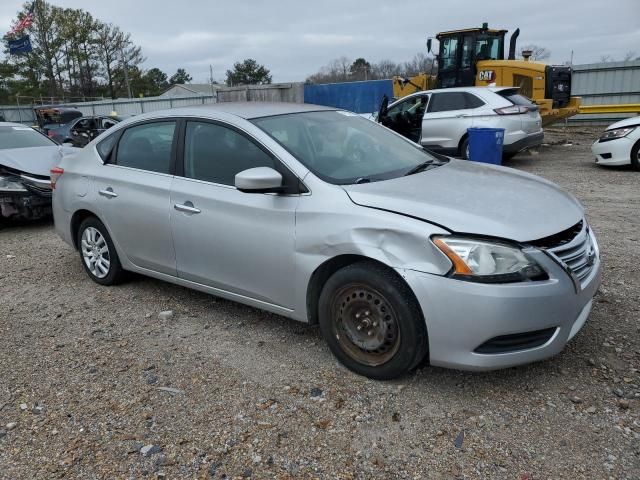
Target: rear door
x,y
446,120
134,192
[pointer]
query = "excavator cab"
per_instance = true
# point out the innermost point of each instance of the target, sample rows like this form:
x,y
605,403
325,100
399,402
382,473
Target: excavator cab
x,y
461,49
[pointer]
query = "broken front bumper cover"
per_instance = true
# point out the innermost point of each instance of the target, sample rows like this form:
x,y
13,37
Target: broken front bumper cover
x,y
24,205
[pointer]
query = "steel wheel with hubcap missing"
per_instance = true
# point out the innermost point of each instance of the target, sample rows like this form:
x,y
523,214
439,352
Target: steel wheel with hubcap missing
x,y
372,321
365,325
95,252
99,256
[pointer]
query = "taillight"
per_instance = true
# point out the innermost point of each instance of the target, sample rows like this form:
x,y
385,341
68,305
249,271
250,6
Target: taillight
x,y
55,172
512,110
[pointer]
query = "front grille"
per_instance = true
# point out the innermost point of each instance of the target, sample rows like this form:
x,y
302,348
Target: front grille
x,y
574,248
516,341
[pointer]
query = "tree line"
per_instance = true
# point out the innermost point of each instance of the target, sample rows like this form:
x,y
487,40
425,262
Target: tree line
x,y
76,55
344,69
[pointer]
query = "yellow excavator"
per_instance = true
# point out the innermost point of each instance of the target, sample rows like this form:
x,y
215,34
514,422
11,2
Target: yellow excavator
x,y
476,57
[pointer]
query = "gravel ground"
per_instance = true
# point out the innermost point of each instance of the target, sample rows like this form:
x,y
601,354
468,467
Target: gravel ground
x,y
95,384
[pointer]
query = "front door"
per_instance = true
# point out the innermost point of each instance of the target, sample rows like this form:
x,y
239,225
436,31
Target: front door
x,y
405,116
239,242
134,192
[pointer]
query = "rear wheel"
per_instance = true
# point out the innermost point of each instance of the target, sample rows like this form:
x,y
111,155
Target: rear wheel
x,y
372,322
635,156
98,254
464,148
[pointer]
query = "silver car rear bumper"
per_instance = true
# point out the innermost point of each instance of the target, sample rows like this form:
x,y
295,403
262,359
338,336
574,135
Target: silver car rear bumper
x,y
461,316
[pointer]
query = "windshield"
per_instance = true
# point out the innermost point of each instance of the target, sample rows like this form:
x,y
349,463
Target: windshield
x,y
344,148
22,137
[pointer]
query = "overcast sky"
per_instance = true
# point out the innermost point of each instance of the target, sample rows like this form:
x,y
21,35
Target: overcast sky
x,y
295,38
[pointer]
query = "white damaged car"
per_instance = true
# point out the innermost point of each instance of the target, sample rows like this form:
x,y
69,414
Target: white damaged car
x,y
619,144
26,156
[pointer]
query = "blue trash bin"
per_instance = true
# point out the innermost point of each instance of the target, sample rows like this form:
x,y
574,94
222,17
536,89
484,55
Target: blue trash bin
x,y
485,145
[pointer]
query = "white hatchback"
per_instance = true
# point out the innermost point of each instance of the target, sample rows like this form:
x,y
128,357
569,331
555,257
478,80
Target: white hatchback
x,y
619,144
439,119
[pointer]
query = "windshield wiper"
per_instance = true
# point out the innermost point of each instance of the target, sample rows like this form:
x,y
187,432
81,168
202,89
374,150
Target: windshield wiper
x,y
362,180
421,166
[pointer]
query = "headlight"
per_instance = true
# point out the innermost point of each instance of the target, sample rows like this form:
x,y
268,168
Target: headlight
x,y
488,262
7,184
616,133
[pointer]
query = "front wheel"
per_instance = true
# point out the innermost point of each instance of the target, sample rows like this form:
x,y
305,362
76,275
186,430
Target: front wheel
x,y
372,322
98,254
635,156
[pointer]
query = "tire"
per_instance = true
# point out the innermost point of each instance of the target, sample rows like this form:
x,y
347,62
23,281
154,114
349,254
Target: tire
x,y
509,156
635,156
92,239
375,299
464,148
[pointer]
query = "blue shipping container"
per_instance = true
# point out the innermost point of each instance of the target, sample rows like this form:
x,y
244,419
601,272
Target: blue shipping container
x,y
359,97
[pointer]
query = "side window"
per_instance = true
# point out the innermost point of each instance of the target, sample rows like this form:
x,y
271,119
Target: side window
x,y
147,147
410,105
215,153
82,124
444,102
107,123
472,100
449,52
105,147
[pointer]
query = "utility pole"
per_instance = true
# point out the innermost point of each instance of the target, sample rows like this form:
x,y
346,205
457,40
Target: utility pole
x,y
126,72
213,94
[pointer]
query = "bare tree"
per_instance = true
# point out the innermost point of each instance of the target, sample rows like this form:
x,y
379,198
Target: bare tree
x,y
420,63
115,49
537,52
630,55
385,69
606,58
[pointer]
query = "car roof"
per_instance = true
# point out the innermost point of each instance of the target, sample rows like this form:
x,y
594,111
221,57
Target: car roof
x,y
469,89
247,110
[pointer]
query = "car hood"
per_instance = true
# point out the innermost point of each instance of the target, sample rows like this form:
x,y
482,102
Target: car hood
x,y
627,122
33,160
468,197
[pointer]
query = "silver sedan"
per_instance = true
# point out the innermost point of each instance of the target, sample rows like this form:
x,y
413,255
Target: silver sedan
x,y
325,217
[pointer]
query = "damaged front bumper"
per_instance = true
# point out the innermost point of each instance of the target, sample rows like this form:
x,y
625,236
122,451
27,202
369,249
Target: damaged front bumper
x,y
30,202
26,206
476,326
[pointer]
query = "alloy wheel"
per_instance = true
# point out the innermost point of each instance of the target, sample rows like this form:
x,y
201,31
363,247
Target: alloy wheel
x,y
95,252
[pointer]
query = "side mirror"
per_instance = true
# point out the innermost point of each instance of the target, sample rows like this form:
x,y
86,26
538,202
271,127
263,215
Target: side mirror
x,y
259,180
428,45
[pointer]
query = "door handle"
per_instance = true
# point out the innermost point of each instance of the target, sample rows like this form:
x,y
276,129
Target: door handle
x,y
187,207
462,115
108,192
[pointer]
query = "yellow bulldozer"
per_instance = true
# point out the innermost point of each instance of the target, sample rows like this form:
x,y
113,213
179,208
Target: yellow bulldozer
x,y
476,57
